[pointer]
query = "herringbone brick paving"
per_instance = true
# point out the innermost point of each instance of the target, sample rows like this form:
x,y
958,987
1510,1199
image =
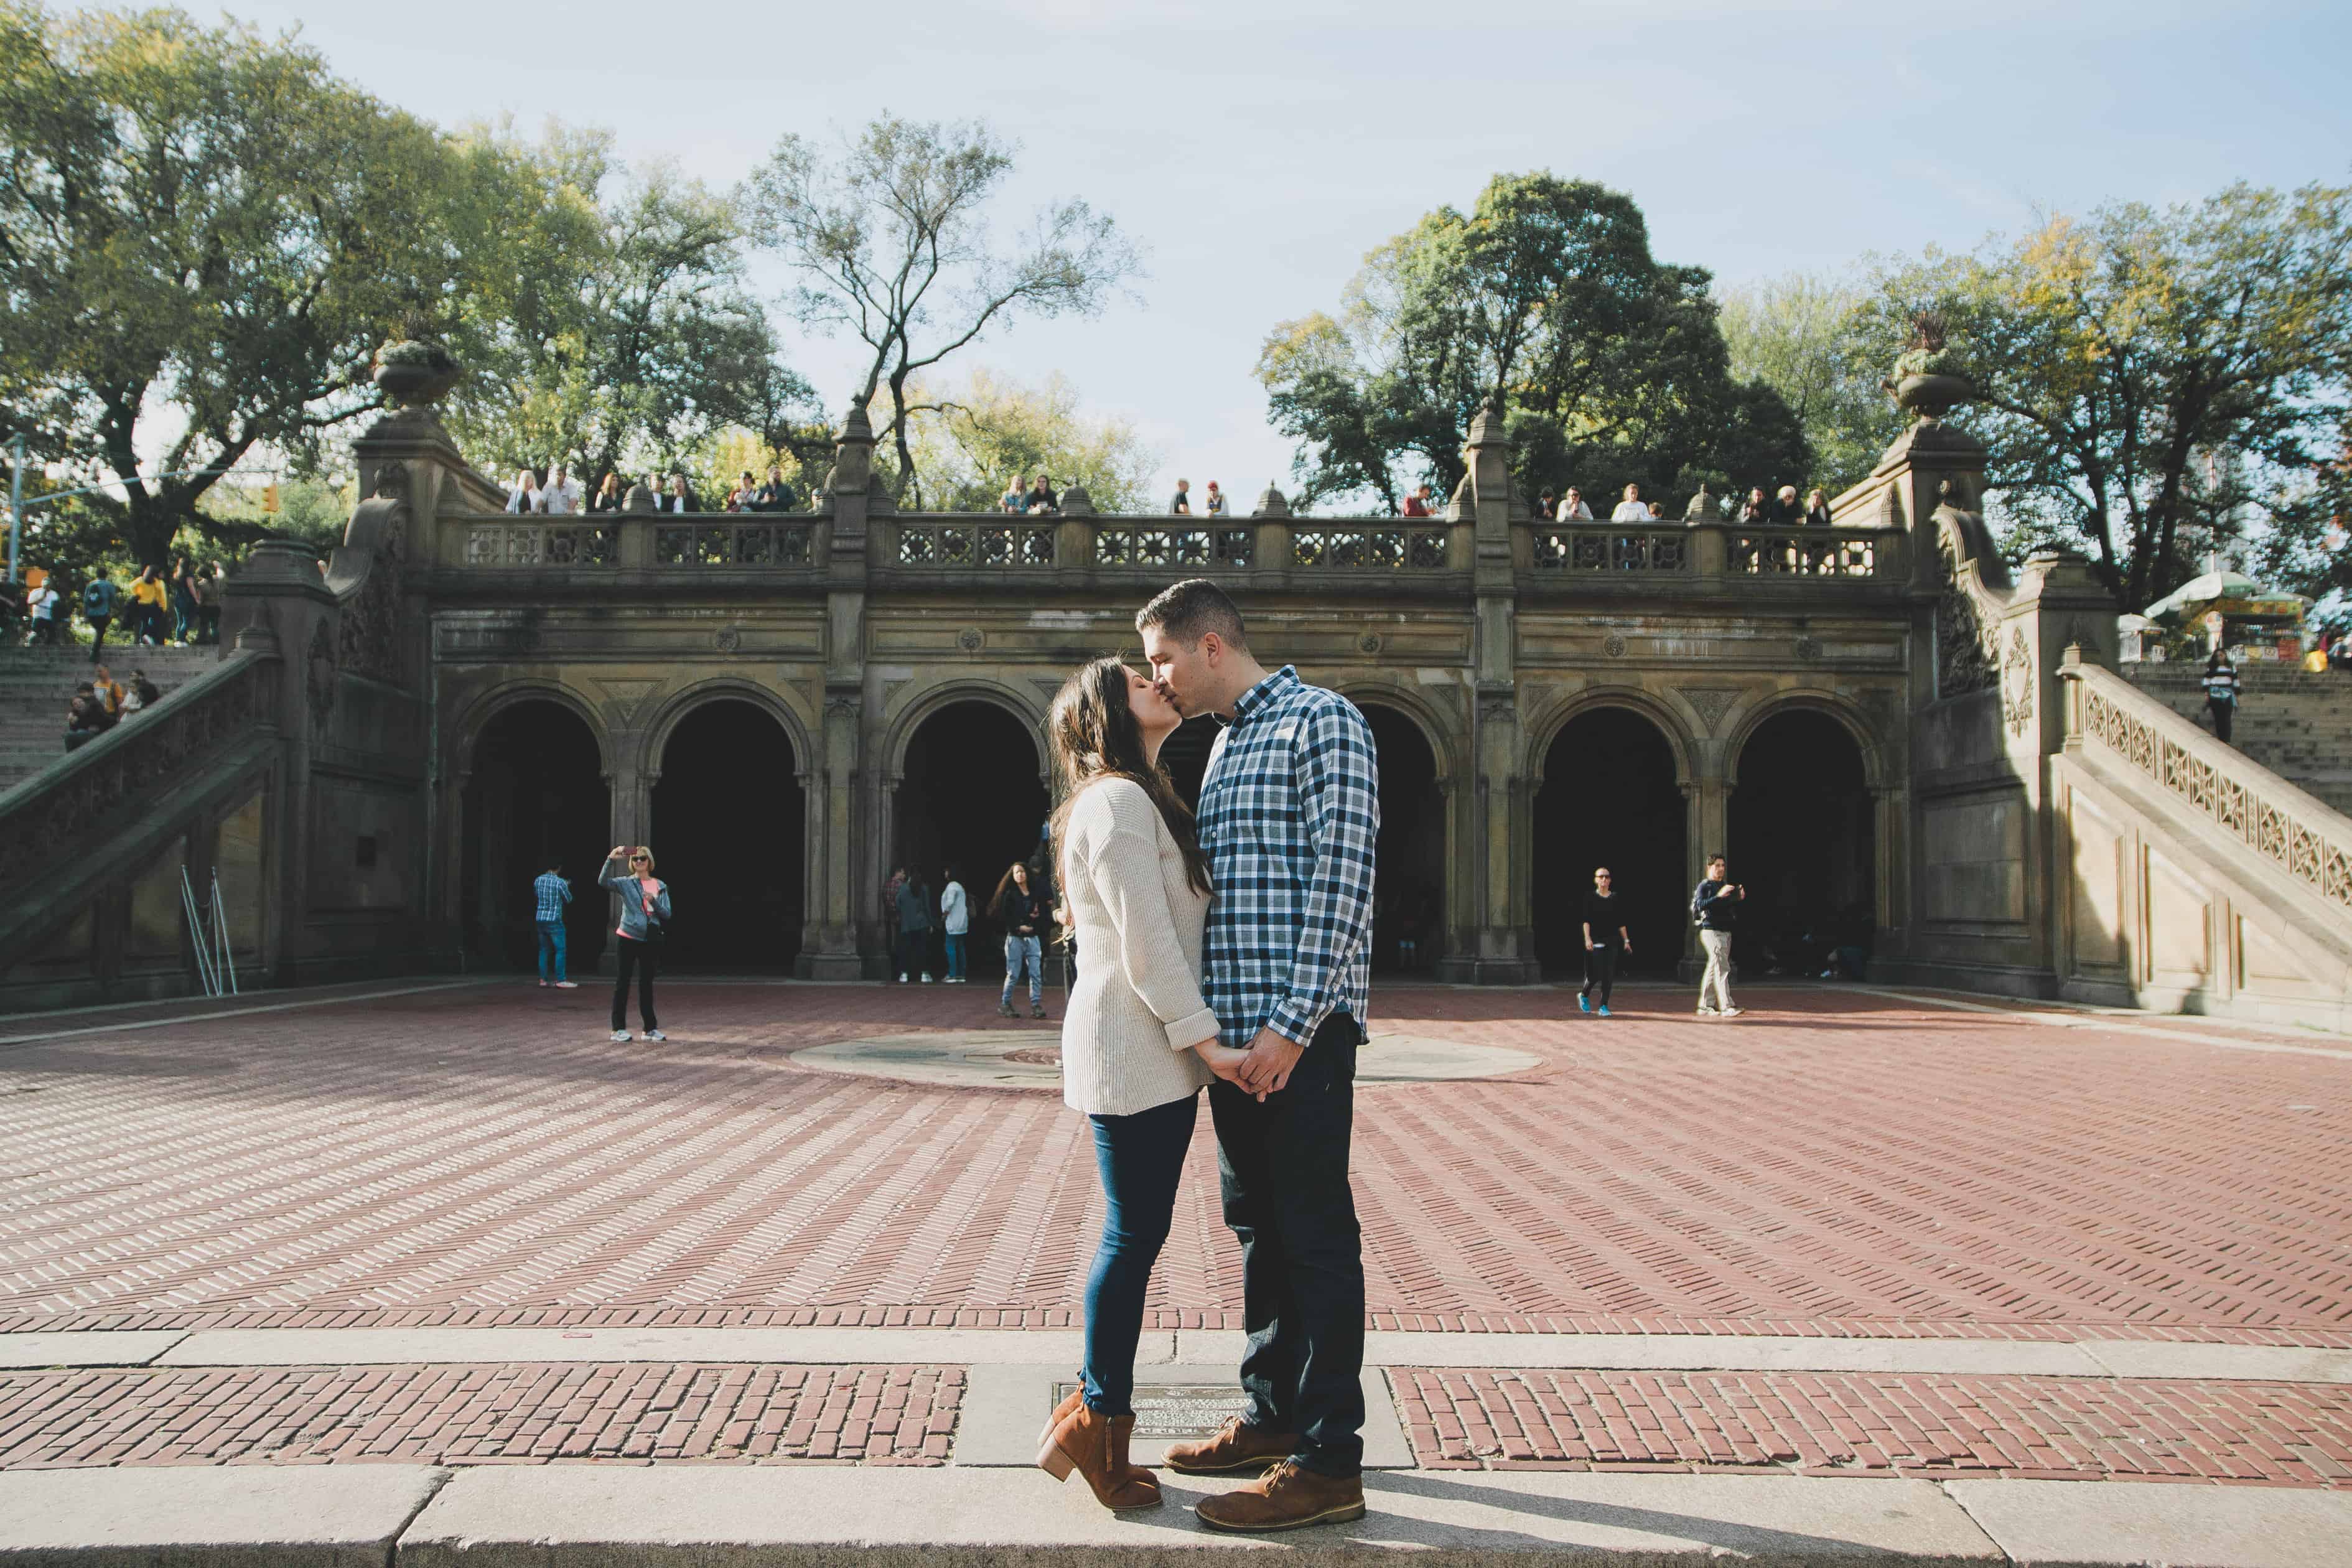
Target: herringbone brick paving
x,y
1831,1423
1834,1162
519,1413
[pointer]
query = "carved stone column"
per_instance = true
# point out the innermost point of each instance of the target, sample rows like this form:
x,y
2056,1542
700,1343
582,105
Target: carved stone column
x,y
839,828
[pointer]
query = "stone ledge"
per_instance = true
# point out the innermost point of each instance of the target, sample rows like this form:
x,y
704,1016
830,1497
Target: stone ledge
x,y
342,1516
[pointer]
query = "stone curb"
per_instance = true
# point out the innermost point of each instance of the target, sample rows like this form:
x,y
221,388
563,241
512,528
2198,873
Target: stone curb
x,y
603,1516
2186,1359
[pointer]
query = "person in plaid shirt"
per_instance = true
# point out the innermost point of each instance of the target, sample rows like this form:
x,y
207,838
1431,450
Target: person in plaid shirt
x,y
552,892
1289,816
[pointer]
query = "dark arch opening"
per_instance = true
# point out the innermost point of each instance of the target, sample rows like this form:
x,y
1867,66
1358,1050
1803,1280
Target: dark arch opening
x,y
1409,878
536,796
1802,844
1608,798
970,799
729,836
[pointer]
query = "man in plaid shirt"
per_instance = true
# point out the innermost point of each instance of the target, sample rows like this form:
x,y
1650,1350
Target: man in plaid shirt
x,y
1289,816
552,892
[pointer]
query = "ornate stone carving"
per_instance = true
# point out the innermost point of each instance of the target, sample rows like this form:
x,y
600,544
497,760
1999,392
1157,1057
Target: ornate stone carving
x,y
625,696
1370,642
369,638
1709,703
727,639
1613,646
318,677
2017,684
971,639
843,705
1966,657
1808,649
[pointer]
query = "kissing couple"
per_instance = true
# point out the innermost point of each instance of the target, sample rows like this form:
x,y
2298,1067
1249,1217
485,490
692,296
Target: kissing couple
x,y
1232,953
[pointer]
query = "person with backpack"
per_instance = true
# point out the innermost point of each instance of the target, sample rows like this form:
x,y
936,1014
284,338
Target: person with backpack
x,y
645,923
1712,905
2221,682
98,601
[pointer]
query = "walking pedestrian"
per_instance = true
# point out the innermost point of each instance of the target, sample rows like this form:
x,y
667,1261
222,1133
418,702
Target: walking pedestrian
x,y
187,593
1712,905
914,908
1289,816
552,892
2221,692
46,606
645,923
1604,937
955,920
1023,913
98,597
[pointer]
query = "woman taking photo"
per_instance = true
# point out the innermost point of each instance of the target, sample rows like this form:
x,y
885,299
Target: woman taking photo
x,y
1138,1044
644,922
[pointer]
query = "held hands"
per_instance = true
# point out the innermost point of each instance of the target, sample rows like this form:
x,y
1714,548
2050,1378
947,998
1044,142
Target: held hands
x,y
1266,1066
1223,1060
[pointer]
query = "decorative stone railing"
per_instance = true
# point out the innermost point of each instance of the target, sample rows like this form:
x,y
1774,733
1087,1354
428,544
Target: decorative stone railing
x,y
978,541
544,543
734,540
1123,541
2295,832
1804,552
1607,547
1384,545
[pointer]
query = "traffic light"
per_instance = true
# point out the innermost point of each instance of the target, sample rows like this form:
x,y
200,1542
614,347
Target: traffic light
x,y
269,500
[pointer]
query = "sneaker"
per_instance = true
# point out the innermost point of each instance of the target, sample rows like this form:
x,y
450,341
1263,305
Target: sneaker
x,y
567,985
1035,1011
1584,1002
620,1037
902,979
927,980
1708,1013
1604,1011
1004,1009
1733,1011
656,1034
542,986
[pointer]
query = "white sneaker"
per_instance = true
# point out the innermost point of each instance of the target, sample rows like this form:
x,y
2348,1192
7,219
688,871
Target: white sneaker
x,y
620,1037
927,979
656,1034
1733,1011
1709,1013
567,985
902,979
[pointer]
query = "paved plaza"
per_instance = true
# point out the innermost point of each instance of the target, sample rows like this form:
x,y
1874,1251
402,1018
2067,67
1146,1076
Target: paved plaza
x,y
441,1226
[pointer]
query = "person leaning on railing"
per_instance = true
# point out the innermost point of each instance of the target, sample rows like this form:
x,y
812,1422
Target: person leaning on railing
x,y
1631,510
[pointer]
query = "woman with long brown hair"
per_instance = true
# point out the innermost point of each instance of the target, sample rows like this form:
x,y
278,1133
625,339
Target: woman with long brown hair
x,y
1138,1043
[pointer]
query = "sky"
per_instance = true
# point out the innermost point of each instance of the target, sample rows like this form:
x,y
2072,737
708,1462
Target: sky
x,y
1258,151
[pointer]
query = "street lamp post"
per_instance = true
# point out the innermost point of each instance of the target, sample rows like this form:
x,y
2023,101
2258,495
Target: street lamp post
x,y
15,503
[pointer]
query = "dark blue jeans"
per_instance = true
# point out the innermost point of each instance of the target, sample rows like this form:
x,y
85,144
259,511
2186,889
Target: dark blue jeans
x,y
551,941
1284,1167
1141,1158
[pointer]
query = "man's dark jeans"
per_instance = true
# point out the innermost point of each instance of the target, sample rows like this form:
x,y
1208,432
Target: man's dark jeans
x,y
1283,1170
914,952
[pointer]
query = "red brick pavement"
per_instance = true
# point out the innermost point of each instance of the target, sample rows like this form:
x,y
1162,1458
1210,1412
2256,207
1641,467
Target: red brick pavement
x,y
519,1414
1835,1163
1852,1423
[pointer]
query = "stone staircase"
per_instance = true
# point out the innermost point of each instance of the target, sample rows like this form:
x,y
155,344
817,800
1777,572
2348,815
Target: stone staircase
x,y
37,683
2296,723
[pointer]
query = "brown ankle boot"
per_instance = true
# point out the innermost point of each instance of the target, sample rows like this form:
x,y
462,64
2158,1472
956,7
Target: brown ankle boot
x,y
1095,1445
1071,1400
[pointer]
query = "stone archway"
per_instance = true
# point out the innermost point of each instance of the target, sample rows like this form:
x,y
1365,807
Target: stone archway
x,y
1802,841
728,824
967,798
535,795
1611,797
1409,881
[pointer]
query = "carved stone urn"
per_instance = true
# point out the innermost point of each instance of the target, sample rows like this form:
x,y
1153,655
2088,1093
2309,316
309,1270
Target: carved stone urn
x,y
1933,395
414,374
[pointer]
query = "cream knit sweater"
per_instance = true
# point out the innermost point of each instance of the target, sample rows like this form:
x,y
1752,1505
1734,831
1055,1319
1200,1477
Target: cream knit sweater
x,y
1136,1012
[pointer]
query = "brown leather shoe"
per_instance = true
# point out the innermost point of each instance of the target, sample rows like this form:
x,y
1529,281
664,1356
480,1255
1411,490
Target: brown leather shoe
x,y
1095,1445
1071,1400
1237,1446
1285,1497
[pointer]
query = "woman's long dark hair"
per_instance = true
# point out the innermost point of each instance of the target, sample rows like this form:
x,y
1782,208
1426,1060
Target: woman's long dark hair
x,y
1093,734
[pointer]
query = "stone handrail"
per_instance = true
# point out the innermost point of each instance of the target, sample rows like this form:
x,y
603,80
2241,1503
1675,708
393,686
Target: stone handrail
x,y
2297,834
84,797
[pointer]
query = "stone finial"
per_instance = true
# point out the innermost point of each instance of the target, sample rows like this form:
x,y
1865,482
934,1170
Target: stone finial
x,y
1703,507
1485,425
853,455
1270,503
1076,502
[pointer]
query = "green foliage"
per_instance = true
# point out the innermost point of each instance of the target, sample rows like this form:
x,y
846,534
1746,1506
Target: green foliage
x,y
1607,365
1816,342
613,329
203,238
889,233
992,430
2157,383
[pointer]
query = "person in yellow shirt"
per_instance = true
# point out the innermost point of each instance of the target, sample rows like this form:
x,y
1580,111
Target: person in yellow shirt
x,y
150,597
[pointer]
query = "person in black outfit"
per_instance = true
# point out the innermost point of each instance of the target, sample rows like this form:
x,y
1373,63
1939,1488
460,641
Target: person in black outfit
x,y
775,495
1604,938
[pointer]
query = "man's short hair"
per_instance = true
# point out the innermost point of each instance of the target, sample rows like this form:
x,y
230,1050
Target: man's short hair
x,y
1715,860
1190,610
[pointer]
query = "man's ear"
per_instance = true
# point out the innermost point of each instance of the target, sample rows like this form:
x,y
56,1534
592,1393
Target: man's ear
x,y
1212,645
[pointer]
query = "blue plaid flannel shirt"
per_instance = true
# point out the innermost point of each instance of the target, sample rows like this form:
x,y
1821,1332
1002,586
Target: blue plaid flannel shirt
x,y
553,893
1290,812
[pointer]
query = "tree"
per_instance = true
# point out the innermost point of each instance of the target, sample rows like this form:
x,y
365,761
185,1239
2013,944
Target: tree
x,y
615,331
202,236
2148,377
1543,299
992,430
889,236
1815,341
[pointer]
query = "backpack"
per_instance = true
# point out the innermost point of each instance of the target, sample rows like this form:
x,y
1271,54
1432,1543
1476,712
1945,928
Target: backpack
x,y
96,600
